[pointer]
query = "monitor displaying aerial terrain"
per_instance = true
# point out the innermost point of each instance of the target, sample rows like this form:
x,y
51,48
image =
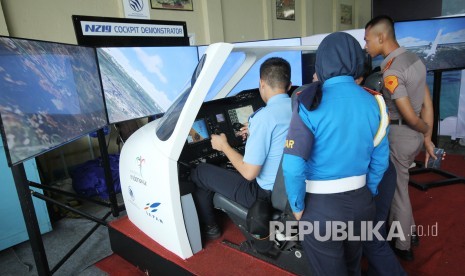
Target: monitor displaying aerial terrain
x,y
50,94
144,81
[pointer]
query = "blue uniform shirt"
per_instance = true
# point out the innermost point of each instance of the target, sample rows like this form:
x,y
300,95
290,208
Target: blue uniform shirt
x,y
268,129
340,134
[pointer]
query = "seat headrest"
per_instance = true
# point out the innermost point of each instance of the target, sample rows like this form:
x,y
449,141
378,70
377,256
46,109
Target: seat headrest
x,y
297,90
279,195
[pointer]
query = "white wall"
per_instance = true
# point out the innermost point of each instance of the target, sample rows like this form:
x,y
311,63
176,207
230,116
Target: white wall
x,y
244,20
322,17
3,28
289,28
194,19
362,13
211,20
51,19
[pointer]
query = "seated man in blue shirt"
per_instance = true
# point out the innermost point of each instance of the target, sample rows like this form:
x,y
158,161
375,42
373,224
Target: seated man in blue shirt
x,y
267,129
338,156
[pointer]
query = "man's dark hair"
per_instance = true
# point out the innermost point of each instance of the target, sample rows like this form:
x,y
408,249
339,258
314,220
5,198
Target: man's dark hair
x,y
384,20
276,72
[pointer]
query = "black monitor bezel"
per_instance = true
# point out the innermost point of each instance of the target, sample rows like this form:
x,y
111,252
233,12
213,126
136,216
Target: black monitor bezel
x,y
2,128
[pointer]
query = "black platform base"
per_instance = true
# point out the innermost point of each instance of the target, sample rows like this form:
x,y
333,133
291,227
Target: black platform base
x,y
141,256
229,255
449,178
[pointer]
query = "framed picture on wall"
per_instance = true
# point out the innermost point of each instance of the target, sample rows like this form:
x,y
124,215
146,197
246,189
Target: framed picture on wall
x,y
285,9
181,5
346,14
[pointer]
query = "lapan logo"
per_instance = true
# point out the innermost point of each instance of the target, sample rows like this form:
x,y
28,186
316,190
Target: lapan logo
x,y
97,28
136,5
152,207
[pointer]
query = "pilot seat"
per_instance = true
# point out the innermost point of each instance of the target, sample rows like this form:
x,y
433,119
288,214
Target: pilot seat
x,y
280,250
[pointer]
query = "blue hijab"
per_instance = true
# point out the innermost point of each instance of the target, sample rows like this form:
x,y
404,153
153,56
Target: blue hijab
x,y
339,54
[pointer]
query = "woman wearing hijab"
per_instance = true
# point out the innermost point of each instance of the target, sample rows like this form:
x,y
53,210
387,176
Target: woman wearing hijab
x,y
336,153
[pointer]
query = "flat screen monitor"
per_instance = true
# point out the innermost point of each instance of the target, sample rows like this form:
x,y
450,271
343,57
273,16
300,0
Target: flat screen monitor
x,y
439,42
198,132
240,116
251,78
50,95
144,81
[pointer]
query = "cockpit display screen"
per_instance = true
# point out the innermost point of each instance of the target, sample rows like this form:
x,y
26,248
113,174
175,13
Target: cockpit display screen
x,y
198,132
240,116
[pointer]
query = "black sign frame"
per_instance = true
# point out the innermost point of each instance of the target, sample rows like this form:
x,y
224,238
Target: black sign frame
x,y
127,41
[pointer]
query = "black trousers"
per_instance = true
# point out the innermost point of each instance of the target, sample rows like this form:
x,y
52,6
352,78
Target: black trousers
x,y
381,258
211,179
328,256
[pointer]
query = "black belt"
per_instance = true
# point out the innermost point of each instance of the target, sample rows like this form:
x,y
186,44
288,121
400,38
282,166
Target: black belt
x,y
396,122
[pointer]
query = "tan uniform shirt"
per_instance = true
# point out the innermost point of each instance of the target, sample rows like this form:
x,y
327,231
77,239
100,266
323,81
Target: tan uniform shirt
x,y
404,76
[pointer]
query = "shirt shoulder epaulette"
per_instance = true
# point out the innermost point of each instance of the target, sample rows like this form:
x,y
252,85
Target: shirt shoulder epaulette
x,y
391,82
388,64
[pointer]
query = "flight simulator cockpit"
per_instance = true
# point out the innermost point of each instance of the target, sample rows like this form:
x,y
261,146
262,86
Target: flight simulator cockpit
x,y
155,161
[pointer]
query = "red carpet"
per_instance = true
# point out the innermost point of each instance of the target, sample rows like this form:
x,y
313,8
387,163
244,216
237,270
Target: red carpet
x,y
438,213
116,266
443,254
216,258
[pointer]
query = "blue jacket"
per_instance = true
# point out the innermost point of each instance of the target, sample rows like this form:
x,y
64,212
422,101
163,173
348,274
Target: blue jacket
x,y
335,140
